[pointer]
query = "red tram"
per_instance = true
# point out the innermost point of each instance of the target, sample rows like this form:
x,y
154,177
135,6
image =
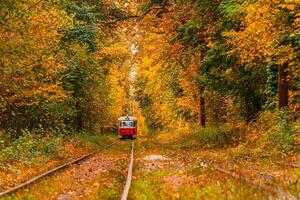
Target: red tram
x,y
127,127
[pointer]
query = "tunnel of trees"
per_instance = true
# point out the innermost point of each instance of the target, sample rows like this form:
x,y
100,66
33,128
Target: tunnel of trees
x,y
65,64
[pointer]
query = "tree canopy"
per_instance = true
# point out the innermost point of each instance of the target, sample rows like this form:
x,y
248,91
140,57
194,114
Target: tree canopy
x,y
68,64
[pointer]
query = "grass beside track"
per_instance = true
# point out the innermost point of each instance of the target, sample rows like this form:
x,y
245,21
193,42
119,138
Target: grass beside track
x,y
68,149
190,174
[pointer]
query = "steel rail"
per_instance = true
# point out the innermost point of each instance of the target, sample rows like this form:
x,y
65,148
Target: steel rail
x,y
33,180
279,192
129,175
275,190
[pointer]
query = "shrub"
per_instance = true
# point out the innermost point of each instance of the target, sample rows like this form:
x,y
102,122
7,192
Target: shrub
x,y
227,135
28,147
284,134
210,137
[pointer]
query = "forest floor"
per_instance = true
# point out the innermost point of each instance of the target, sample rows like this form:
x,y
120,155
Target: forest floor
x,y
101,176
167,169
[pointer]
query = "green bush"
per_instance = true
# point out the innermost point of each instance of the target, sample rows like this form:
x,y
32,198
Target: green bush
x,y
32,145
217,137
87,137
27,147
284,135
211,137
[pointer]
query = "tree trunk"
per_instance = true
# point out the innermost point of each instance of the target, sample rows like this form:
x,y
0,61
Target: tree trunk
x,y
202,117
79,117
282,86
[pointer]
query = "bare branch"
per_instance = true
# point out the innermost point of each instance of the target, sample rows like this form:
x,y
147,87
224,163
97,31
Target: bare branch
x,y
163,7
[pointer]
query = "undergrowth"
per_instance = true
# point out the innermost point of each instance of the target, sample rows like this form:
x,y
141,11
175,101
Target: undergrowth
x,y
270,132
284,135
33,153
217,137
29,146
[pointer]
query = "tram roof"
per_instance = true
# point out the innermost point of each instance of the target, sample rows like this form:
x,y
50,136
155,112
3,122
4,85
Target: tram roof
x,y
126,118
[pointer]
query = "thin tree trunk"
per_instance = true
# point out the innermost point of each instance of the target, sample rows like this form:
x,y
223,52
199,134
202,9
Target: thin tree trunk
x,y
79,116
202,118
282,86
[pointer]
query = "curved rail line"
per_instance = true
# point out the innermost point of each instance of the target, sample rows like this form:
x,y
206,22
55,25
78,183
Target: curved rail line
x,y
277,191
129,175
242,177
268,188
33,180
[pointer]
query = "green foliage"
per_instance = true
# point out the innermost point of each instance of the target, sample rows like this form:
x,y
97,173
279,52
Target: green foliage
x,y
34,149
85,76
232,9
211,137
108,193
146,104
144,188
28,147
92,138
222,136
84,30
82,34
271,89
223,73
174,86
284,135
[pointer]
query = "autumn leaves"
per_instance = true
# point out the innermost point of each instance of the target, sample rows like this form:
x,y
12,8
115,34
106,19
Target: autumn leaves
x,y
214,60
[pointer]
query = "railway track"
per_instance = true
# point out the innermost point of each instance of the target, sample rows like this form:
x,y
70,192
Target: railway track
x,y
129,174
213,165
277,191
68,164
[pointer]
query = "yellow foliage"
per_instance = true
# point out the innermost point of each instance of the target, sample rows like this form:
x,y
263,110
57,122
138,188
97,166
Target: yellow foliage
x,y
259,39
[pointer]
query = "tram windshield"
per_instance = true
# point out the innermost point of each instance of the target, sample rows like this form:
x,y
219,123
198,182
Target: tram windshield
x,y
127,124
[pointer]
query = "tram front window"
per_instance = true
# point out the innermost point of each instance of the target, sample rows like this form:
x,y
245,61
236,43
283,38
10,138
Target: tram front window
x,y
127,124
